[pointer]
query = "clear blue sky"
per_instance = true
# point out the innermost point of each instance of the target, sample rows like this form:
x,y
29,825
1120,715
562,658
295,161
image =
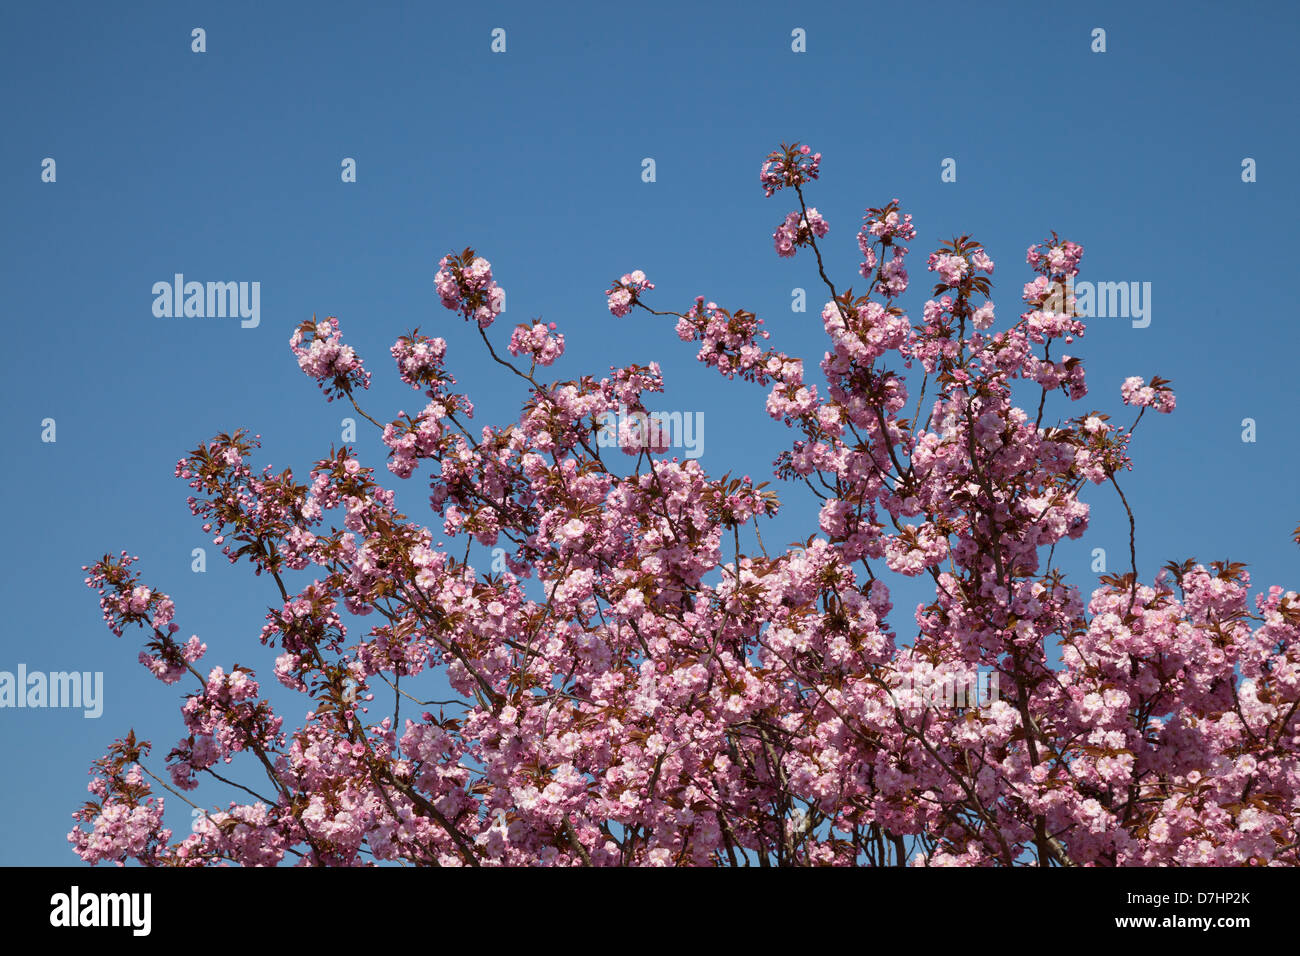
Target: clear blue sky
x,y
225,166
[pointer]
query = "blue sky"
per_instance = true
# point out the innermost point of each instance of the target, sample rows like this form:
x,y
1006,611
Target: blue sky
x,y
225,166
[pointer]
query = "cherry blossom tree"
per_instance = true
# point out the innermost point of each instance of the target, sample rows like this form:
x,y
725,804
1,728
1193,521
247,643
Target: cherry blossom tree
x,y
649,683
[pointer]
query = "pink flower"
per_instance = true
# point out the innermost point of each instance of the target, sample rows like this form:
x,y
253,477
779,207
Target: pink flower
x,y
539,341
465,285
798,230
626,291
324,357
952,269
790,166
1157,395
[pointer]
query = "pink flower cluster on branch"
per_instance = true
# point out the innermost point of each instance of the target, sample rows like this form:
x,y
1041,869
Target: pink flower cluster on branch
x,y
624,292
789,166
322,355
1157,395
647,683
797,230
540,342
465,284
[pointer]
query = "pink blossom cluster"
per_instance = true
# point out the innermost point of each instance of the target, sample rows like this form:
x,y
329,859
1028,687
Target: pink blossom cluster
x,y
420,360
539,341
624,292
882,229
1055,257
325,358
797,230
885,224
647,678
1157,395
952,269
789,166
955,267
126,821
729,342
465,284
171,666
